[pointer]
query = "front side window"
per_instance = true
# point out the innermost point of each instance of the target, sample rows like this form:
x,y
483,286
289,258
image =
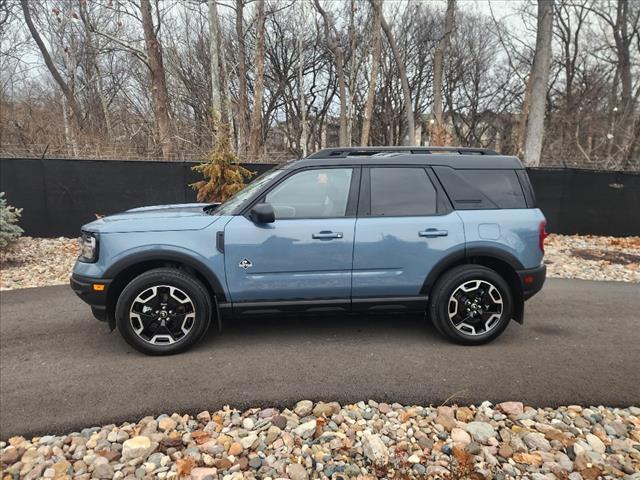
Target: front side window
x,y
397,191
318,193
246,193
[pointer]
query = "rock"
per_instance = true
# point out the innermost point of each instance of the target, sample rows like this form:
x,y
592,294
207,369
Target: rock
x,y
511,408
9,455
375,449
528,458
303,408
279,421
255,463
460,436
505,450
536,441
325,409
481,431
167,424
102,469
464,414
248,441
595,443
136,447
204,417
201,473
236,449
305,430
473,448
248,423
447,422
297,472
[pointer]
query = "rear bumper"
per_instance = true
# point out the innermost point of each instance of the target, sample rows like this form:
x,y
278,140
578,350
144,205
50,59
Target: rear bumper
x,y
532,280
96,299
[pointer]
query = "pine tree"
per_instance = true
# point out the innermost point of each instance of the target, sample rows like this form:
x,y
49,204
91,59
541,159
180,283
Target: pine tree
x,y
221,169
9,216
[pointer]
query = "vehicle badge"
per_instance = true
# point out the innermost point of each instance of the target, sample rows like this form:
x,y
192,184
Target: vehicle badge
x,y
245,263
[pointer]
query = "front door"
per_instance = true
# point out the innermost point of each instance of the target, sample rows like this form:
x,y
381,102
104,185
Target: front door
x,y
404,228
302,261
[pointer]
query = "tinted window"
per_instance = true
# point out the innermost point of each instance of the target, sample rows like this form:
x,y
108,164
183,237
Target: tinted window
x,y
501,186
402,191
481,189
312,194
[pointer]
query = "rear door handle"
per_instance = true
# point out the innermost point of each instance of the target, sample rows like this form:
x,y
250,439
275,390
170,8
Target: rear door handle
x,y
326,235
433,232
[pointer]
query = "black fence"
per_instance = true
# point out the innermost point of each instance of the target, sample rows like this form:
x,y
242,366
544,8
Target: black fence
x,y
60,195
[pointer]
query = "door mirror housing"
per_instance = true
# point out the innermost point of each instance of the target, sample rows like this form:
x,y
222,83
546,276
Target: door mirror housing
x,y
262,213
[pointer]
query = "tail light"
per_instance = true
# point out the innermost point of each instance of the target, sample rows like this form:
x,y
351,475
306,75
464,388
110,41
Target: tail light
x,y
542,235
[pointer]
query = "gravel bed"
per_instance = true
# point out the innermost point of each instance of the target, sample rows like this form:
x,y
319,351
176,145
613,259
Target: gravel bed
x,y
39,262
590,257
362,441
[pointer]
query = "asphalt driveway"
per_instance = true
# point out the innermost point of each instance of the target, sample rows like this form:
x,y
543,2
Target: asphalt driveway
x,y
61,370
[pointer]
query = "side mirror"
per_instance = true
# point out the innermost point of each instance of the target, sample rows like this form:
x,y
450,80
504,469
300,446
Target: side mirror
x,y
262,213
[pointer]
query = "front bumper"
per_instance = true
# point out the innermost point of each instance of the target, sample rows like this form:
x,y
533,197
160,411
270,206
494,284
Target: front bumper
x,y
97,299
532,280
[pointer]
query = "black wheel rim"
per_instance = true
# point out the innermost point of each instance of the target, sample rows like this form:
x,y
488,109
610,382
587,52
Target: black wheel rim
x,y
162,315
475,307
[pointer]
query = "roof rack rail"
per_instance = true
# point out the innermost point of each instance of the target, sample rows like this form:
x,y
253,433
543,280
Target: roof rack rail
x,y
343,152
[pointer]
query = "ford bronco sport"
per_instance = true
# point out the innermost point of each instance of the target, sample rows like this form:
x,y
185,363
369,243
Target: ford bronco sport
x,y
450,232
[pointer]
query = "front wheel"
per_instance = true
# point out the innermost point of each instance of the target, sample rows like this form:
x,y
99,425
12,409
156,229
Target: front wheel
x,y
163,311
471,304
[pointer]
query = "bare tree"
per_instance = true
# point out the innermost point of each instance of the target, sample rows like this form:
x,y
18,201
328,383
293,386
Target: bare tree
x,y
255,138
66,90
438,61
410,133
375,66
214,52
539,79
333,43
242,78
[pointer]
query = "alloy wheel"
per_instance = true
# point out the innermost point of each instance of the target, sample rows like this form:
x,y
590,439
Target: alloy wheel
x,y
162,315
475,307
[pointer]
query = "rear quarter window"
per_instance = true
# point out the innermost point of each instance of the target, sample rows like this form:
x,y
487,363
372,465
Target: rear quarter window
x,y
482,189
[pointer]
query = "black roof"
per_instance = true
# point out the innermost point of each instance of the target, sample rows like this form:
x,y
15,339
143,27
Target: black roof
x,y
456,157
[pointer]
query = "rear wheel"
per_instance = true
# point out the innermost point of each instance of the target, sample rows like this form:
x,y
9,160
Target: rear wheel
x,y
471,304
163,311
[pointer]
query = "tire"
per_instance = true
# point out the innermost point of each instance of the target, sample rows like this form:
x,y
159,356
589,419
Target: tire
x,y
179,311
471,304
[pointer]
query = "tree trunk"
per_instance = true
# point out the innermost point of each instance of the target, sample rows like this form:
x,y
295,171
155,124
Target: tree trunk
x,y
438,68
158,80
214,53
302,106
333,43
94,69
66,90
242,79
539,79
410,134
375,66
256,117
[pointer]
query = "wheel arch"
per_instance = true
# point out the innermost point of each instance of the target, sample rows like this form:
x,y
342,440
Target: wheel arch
x,y
126,269
504,263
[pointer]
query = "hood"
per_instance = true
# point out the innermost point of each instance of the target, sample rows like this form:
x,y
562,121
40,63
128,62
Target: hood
x,y
183,216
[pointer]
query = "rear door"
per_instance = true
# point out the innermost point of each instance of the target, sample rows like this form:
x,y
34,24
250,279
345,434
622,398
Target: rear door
x,y
405,226
302,261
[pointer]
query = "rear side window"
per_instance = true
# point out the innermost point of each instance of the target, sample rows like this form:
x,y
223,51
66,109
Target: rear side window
x,y
482,189
402,192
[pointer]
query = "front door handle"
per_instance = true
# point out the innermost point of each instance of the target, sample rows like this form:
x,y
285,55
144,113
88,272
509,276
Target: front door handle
x,y
433,232
326,235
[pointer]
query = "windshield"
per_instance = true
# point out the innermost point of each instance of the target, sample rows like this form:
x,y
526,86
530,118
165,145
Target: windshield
x,y
247,192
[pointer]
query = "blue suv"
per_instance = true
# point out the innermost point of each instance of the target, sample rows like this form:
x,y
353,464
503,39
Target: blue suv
x,y
450,232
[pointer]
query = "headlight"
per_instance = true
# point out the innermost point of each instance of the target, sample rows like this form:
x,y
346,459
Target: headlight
x,y
88,248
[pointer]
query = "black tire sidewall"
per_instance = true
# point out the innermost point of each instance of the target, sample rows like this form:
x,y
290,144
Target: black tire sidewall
x,y
166,276
447,284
